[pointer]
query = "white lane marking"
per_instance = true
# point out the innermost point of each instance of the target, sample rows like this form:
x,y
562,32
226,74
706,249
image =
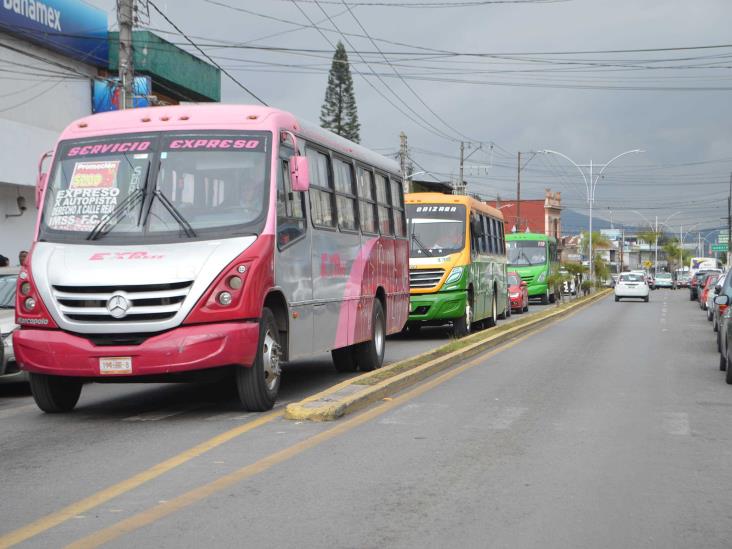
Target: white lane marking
x,y
228,416
17,410
505,418
676,423
165,413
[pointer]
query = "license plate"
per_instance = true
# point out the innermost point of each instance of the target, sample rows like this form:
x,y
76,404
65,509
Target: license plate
x,y
115,365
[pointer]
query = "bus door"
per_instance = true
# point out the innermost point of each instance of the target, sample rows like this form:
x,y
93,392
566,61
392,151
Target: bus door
x,y
477,268
293,267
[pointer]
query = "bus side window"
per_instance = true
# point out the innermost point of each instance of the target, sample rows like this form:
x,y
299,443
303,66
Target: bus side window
x,y
397,204
290,209
345,195
382,200
487,242
366,201
321,189
501,238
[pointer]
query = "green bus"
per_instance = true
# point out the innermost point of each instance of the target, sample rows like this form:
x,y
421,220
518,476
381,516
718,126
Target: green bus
x,y
457,263
533,256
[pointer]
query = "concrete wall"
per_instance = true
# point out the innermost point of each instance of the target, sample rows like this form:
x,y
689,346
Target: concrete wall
x,y
16,233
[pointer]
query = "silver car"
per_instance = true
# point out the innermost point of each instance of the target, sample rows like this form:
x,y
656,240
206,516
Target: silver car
x,y
9,371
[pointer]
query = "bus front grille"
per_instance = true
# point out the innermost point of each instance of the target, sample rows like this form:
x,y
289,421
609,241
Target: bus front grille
x,y
527,278
423,278
145,302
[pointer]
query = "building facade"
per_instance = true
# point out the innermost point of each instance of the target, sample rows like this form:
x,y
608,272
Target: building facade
x,y
56,57
533,216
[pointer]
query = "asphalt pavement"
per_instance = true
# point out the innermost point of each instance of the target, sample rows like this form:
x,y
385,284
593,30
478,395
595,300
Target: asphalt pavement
x,y
606,429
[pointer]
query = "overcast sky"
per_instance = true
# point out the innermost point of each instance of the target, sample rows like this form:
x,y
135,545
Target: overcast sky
x,y
515,102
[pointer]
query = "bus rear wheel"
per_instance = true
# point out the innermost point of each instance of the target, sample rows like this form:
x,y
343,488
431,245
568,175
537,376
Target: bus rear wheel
x,y
259,384
370,354
493,319
55,394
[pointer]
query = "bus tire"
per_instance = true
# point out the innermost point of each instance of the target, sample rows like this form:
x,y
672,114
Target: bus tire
x,y
259,384
491,321
552,297
545,298
370,354
344,359
462,326
55,394
414,329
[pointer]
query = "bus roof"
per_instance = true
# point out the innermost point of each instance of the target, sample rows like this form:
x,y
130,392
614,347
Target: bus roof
x,y
441,198
530,236
217,116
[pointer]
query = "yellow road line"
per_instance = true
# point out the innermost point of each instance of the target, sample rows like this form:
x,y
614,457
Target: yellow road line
x,y
202,492
103,496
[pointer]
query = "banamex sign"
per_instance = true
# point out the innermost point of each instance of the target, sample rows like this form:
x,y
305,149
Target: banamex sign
x,y
70,27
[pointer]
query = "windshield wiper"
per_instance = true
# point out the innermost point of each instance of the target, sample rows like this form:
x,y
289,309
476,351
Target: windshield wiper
x,y
114,215
419,243
173,211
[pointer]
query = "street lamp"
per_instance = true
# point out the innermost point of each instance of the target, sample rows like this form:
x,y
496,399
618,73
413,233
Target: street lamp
x,y
590,186
655,233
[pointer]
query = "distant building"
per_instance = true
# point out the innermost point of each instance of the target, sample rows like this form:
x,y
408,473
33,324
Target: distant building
x,y
534,216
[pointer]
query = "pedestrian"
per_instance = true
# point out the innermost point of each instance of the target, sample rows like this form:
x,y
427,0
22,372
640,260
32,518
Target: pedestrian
x,y
22,257
4,261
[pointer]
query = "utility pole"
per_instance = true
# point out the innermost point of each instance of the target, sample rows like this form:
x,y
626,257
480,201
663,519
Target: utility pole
x,y
655,261
403,157
460,187
518,194
622,250
126,69
729,222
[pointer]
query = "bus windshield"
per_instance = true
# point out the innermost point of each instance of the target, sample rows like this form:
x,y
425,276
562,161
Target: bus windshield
x,y
435,229
526,252
157,187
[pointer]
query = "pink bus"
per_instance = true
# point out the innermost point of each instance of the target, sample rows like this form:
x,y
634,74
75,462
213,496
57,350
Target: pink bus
x,y
173,241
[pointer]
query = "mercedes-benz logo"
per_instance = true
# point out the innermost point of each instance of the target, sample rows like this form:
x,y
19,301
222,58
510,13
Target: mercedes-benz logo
x,y
118,306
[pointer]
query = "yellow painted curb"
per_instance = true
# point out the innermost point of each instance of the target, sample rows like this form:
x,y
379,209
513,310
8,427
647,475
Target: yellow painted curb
x,y
357,392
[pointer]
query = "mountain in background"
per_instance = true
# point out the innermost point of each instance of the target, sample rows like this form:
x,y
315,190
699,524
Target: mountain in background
x,y
574,222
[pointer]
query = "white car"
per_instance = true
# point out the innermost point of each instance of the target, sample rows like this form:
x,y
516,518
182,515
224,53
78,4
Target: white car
x,y
632,285
9,371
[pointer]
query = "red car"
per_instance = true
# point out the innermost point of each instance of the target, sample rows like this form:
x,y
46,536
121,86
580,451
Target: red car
x,y
708,285
518,293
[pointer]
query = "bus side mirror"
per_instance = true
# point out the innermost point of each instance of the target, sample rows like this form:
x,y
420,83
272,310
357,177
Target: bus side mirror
x,y
299,173
40,188
42,178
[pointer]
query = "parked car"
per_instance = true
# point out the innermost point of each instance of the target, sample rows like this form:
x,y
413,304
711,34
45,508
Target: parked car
x,y
720,306
683,279
709,282
714,292
664,280
723,336
9,371
695,281
633,285
518,293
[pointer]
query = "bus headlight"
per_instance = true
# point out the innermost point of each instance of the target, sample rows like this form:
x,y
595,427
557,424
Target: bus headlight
x,y
541,277
454,275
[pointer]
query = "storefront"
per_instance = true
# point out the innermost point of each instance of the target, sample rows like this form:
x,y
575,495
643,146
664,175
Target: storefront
x,y
57,63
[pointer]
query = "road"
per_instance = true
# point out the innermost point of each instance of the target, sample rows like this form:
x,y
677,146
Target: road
x,y
607,429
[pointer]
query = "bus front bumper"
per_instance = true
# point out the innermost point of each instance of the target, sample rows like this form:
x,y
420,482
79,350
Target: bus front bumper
x,y
183,349
437,306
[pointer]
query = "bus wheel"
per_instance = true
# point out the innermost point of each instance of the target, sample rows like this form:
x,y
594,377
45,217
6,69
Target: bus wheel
x,y
344,359
492,320
545,298
370,354
259,384
552,297
55,394
462,326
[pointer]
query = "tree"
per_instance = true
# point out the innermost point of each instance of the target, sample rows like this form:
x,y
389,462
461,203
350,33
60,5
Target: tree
x,y
338,113
598,241
671,249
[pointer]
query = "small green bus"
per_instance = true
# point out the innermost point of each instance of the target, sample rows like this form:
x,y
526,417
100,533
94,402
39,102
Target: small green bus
x,y
533,256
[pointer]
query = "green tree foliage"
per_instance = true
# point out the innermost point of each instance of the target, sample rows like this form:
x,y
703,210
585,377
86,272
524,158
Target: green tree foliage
x,y
338,113
598,241
671,249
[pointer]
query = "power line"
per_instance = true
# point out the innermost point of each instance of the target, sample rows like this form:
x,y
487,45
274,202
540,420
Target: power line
x,y
224,71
